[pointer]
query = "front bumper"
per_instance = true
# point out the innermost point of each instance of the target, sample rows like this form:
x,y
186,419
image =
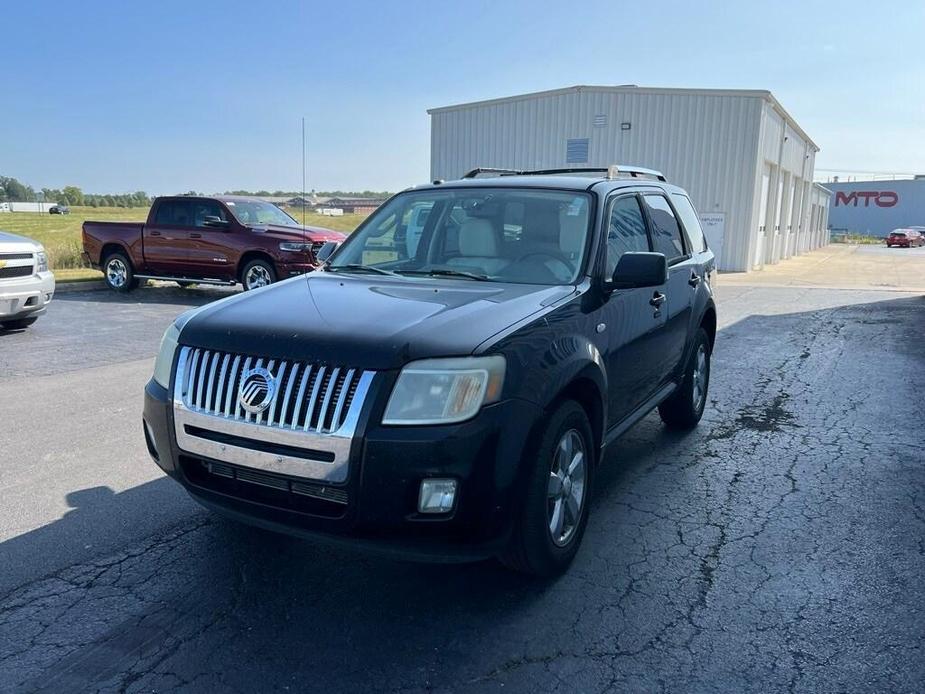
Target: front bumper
x,y
291,269
387,465
26,296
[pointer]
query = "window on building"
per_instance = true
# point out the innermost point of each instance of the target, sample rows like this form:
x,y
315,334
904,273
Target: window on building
x,y
576,151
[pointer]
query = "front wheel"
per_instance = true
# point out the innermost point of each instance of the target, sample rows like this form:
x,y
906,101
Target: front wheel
x,y
257,273
19,323
118,273
551,523
685,406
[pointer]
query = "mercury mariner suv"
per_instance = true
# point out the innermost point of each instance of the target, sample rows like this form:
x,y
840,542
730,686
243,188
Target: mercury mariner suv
x,y
446,386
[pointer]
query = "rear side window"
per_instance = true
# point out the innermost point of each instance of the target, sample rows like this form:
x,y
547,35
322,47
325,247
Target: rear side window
x,y
691,222
626,231
174,213
666,234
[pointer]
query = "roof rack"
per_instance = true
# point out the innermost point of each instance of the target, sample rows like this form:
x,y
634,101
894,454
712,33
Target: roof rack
x,y
612,171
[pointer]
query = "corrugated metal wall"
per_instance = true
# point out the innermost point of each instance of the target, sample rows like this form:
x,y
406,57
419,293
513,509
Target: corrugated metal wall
x,y
711,144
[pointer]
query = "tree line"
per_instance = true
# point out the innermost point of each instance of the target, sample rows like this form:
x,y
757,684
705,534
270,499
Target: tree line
x,y
12,190
376,194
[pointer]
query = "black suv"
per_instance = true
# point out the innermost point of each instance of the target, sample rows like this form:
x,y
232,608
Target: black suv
x,y
446,386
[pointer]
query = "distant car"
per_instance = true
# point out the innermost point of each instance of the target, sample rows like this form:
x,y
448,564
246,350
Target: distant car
x,y
209,240
905,238
59,209
26,285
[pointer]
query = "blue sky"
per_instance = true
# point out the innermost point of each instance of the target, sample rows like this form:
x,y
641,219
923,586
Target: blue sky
x,y
169,96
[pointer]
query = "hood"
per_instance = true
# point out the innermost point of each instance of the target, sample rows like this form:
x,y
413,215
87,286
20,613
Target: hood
x,y
12,243
285,233
365,322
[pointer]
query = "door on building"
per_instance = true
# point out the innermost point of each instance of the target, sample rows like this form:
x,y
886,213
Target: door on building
x,y
762,216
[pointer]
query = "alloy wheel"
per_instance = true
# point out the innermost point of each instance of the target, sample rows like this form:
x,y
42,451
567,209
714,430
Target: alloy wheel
x,y
116,273
257,276
699,391
565,494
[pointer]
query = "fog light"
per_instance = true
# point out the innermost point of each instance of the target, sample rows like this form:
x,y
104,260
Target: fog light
x,y
437,496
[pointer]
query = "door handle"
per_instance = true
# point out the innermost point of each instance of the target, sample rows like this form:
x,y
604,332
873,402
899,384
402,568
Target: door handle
x,y
155,233
657,299
694,280
195,236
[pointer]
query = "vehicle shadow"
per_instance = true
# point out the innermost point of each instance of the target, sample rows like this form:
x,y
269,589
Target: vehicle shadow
x,y
161,293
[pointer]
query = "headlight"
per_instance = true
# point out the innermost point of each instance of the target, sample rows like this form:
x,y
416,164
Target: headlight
x,y
41,261
443,391
165,355
295,247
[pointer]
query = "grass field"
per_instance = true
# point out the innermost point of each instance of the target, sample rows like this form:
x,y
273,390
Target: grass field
x,y
60,234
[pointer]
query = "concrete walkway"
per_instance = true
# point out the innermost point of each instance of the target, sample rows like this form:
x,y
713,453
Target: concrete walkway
x,y
841,266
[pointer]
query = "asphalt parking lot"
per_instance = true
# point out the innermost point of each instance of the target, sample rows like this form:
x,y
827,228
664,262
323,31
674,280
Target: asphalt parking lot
x,y
779,546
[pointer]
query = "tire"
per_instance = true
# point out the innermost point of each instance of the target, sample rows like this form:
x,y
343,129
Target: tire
x,y
258,273
533,549
118,273
19,323
685,406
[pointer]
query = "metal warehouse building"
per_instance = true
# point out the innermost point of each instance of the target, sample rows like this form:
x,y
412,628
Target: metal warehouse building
x,y
745,161
877,207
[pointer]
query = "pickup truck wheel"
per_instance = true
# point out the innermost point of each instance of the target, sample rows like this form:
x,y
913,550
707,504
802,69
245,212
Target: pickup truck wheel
x,y
685,406
19,323
257,273
118,273
551,524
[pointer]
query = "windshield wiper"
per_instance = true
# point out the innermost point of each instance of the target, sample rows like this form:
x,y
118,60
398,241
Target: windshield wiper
x,y
444,272
356,267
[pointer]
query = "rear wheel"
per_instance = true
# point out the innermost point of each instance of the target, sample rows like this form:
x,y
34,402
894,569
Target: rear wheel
x,y
551,523
19,323
258,273
685,407
118,273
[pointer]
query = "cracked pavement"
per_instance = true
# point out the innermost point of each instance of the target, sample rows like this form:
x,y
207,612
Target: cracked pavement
x,y
778,547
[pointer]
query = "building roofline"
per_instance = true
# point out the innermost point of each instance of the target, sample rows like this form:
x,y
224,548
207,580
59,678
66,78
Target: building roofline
x,y
633,89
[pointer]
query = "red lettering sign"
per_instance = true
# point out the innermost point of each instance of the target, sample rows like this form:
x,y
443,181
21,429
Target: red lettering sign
x,y
885,198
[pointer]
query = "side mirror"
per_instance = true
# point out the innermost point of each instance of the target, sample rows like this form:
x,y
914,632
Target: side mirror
x,y
640,270
211,220
326,251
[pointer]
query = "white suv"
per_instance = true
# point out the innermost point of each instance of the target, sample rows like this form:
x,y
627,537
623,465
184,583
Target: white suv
x,y
26,285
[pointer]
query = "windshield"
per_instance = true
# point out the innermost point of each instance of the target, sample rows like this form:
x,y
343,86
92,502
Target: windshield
x,y
259,212
898,233
519,235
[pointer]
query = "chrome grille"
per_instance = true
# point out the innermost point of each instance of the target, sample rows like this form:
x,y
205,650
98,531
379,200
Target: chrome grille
x,y
309,397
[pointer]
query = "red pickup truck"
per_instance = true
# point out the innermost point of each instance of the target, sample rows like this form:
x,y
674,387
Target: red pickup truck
x,y
205,240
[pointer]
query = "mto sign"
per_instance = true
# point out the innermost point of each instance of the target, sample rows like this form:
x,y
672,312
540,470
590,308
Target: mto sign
x,y
864,198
